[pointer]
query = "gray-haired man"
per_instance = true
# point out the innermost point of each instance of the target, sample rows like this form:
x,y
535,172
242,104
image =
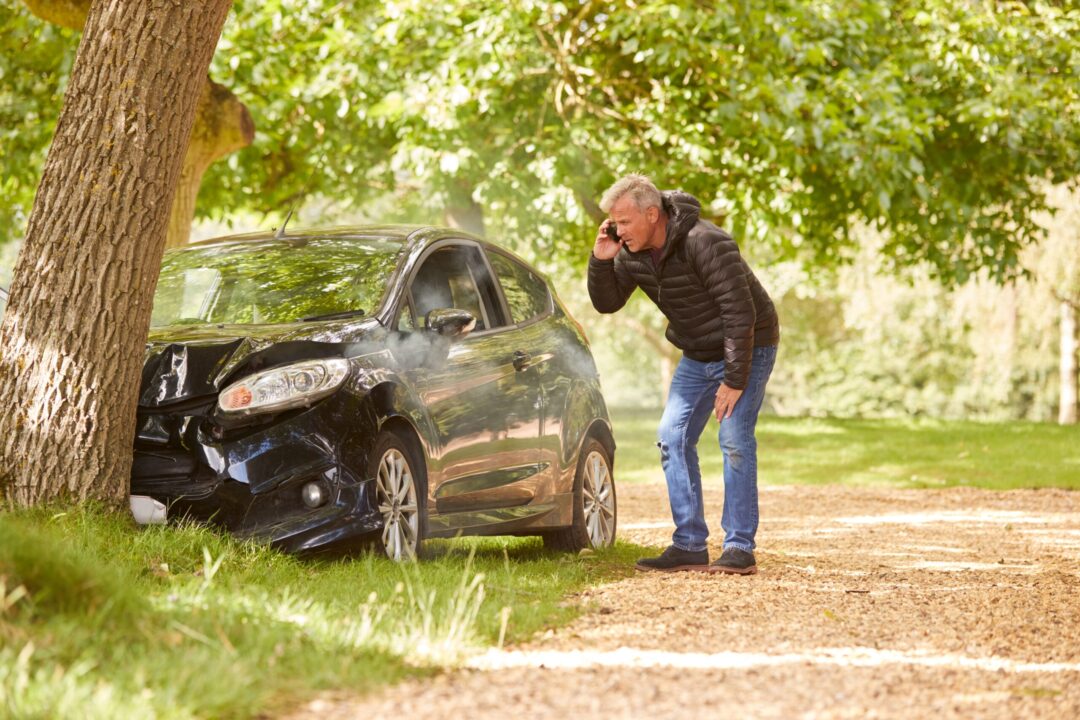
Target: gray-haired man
x,y
725,324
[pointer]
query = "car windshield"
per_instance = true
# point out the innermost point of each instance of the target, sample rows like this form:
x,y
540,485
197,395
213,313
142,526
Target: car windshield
x,y
275,281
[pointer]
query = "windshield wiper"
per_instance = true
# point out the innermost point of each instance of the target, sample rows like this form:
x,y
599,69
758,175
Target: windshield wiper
x,y
335,315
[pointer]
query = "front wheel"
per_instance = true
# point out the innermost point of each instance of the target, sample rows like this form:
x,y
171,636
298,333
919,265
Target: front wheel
x,y
399,497
595,511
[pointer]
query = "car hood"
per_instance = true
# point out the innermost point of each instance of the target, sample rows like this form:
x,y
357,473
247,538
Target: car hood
x,y
188,362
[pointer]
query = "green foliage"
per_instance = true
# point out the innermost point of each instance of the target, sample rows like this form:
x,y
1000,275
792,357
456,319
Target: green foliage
x,y
935,122
867,344
862,342
35,61
101,619
920,453
302,68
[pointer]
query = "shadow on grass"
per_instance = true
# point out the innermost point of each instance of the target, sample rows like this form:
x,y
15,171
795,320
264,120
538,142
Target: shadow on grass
x,y
100,618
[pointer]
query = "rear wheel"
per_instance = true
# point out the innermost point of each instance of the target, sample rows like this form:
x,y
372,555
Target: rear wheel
x,y
595,511
399,497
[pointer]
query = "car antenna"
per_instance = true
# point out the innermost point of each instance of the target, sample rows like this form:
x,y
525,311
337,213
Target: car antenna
x,y
303,193
281,230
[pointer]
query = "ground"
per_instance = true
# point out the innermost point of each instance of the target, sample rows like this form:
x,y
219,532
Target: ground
x,y
869,603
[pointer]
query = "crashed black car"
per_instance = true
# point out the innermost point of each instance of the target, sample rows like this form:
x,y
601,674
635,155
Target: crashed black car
x,y
387,384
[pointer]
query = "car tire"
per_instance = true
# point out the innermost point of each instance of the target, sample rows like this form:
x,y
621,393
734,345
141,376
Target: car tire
x,y
400,493
595,509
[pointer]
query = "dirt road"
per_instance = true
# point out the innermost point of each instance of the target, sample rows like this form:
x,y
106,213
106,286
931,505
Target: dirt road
x,y
869,603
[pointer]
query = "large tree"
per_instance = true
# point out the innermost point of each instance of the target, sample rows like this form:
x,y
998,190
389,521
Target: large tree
x,y
1056,267
793,120
222,124
73,333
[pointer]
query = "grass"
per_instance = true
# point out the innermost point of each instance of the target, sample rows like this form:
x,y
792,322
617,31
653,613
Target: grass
x,y
909,453
101,619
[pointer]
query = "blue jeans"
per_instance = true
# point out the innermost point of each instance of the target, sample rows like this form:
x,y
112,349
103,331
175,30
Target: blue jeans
x,y
689,406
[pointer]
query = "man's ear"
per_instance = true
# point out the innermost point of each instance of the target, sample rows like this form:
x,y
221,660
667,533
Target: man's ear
x,y
653,214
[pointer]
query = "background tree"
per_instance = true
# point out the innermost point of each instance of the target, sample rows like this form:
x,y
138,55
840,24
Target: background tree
x,y
928,129
223,123
1056,266
794,120
35,62
79,311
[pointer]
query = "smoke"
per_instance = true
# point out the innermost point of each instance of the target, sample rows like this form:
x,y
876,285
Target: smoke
x,y
419,348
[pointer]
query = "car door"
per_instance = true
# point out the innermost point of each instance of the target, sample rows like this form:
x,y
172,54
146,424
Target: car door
x,y
531,306
484,400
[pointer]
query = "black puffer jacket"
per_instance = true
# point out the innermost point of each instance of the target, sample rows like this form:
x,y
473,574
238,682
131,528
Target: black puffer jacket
x,y
716,308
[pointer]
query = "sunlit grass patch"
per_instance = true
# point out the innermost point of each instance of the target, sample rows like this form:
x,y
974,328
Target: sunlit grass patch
x,y
99,618
903,452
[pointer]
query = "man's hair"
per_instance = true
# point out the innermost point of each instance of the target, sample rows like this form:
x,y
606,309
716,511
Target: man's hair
x,y
640,189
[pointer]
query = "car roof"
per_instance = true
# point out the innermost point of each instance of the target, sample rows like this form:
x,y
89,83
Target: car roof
x,y
418,236
388,232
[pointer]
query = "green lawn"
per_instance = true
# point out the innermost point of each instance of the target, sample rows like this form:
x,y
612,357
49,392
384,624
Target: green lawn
x,y
101,619
898,453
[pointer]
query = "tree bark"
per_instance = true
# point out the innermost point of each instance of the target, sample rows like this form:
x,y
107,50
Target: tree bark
x,y
72,338
1068,366
590,206
223,124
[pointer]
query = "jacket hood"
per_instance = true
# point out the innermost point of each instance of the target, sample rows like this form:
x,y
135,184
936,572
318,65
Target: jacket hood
x,y
683,211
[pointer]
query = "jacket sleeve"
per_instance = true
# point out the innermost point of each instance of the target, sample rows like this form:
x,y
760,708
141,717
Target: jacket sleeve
x,y
610,285
723,272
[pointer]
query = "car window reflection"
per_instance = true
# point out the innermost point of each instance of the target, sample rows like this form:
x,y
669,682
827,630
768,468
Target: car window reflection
x,y
448,279
273,282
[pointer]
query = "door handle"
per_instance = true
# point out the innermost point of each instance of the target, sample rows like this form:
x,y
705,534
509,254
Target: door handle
x,y
521,360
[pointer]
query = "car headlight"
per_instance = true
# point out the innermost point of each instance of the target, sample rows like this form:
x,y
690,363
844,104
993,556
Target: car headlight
x,y
284,387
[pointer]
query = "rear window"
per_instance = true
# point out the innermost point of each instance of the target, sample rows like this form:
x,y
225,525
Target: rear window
x,y
526,293
276,281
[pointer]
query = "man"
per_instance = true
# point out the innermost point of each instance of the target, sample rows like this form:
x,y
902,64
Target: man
x,y
725,324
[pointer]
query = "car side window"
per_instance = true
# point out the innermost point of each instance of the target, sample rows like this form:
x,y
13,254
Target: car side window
x,y
526,294
406,323
453,277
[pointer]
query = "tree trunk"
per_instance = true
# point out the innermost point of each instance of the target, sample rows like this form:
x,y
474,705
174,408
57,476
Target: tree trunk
x,y
223,124
73,334
667,371
464,212
590,206
1068,369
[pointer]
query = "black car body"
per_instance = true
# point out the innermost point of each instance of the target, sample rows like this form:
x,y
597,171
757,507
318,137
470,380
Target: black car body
x,y
268,391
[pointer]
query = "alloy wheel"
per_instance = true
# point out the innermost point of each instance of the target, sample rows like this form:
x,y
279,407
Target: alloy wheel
x,y
599,498
396,496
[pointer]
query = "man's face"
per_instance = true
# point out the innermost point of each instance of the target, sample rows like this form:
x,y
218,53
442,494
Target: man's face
x,y
636,227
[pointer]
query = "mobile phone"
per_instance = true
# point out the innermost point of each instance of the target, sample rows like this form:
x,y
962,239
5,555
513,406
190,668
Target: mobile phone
x,y
612,232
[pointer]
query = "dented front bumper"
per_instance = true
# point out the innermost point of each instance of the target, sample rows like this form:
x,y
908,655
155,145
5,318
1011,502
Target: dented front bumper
x,y
249,479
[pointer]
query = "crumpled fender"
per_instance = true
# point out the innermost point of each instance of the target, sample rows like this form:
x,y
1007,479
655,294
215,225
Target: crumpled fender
x,y
392,396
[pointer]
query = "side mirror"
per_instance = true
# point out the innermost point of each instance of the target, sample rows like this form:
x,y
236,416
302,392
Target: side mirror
x,y
450,323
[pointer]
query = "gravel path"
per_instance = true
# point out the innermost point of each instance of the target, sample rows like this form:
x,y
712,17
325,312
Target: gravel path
x,y
869,603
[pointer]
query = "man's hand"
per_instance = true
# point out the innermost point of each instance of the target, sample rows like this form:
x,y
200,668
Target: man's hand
x,y
726,397
605,248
